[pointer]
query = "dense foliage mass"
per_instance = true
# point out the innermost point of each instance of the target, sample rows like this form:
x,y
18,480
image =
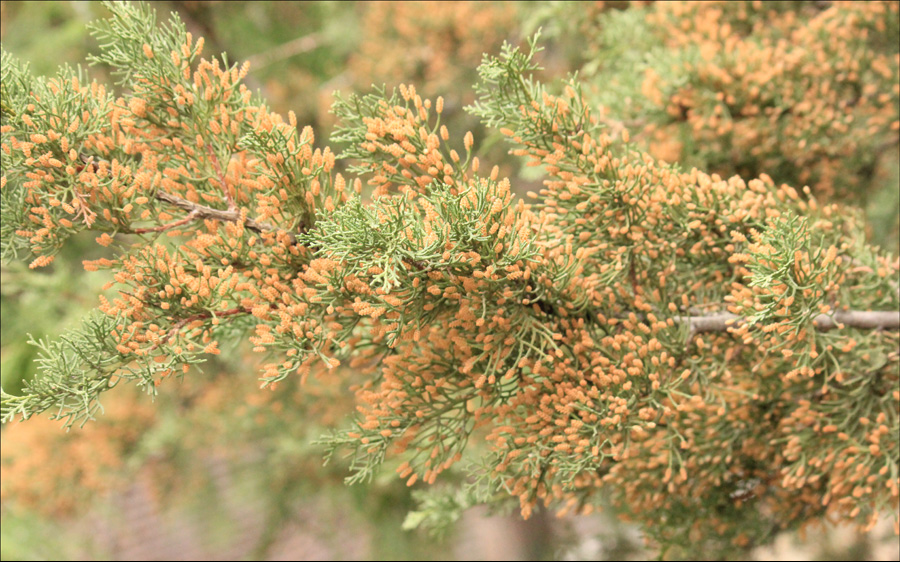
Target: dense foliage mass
x,y
717,356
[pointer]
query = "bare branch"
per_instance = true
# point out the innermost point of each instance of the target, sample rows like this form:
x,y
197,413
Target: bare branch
x,y
863,319
203,212
163,227
286,50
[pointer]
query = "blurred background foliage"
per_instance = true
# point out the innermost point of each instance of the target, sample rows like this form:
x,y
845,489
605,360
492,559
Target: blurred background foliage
x,y
216,467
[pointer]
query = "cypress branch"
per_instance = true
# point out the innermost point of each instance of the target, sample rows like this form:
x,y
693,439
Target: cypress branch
x,y
543,341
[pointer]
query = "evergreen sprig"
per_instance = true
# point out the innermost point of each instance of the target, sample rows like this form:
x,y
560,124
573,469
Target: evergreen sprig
x,y
708,353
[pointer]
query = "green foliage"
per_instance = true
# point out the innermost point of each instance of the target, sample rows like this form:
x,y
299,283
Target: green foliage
x,y
38,105
641,333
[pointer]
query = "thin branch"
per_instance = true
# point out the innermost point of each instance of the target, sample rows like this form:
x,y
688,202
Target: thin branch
x,y
163,227
204,212
293,47
863,319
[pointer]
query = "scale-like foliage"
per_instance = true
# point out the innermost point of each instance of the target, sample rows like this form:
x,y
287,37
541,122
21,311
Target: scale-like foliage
x,y
717,356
